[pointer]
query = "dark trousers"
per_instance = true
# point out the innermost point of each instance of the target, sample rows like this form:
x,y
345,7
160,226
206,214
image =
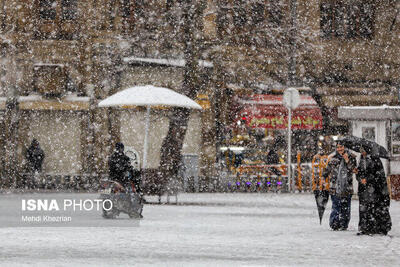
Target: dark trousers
x,y
341,211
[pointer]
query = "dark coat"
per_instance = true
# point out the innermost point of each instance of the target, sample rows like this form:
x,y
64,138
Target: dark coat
x,y
373,196
120,167
272,157
34,157
332,173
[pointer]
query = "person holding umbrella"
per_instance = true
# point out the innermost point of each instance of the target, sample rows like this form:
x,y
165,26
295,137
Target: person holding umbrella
x,y
373,195
339,172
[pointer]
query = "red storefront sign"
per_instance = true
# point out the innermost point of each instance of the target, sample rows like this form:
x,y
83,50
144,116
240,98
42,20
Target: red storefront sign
x,y
268,111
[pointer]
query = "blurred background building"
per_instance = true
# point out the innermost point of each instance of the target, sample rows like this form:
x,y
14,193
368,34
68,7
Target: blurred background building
x,y
59,58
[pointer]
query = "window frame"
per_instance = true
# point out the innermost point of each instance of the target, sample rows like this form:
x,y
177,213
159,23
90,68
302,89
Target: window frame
x,y
346,19
61,25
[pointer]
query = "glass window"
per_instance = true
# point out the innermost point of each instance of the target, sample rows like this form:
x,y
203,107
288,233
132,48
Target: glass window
x,y
47,9
126,8
366,19
257,12
348,19
396,138
275,15
69,9
368,133
326,19
239,14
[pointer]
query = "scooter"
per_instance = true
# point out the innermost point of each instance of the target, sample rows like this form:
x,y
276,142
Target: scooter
x,y
121,199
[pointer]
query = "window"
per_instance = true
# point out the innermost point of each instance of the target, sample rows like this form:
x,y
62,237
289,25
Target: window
x,y
326,19
244,22
257,11
3,16
47,9
122,14
396,137
368,133
239,14
275,15
350,19
57,19
127,14
50,79
69,10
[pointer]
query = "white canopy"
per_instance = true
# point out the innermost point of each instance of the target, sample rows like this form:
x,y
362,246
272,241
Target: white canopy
x,y
148,95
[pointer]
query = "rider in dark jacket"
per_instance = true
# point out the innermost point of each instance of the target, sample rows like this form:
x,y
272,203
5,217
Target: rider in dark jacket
x,y
119,165
121,170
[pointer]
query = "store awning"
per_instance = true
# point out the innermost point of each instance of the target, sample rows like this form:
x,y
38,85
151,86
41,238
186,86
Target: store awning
x,y
268,111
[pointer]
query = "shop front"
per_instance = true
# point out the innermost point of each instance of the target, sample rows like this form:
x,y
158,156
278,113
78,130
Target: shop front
x,y
380,124
254,154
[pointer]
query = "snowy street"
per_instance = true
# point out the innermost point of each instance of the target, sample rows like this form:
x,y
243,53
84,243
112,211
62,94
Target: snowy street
x,y
207,229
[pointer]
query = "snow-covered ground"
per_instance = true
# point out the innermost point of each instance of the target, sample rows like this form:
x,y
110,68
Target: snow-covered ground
x,y
208,229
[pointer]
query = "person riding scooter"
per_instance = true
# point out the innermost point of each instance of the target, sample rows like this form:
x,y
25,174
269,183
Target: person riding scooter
x,y
123,185
121,170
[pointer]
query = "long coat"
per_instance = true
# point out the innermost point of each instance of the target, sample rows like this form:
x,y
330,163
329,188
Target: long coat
x,y
374,197
34,157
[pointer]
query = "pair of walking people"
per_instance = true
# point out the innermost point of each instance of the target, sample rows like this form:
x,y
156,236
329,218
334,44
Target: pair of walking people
x,y
373,192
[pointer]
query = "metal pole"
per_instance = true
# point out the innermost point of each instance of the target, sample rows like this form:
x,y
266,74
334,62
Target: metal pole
x,y
289,149
146,134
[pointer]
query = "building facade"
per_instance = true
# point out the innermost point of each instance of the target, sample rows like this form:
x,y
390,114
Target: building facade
x,y
60,57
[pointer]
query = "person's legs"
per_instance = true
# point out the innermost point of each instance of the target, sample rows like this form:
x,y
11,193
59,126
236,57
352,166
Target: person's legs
x,y
345,212
381,217
363,214
334,221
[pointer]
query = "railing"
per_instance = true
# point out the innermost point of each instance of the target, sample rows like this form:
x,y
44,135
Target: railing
x,y
59,181
269,178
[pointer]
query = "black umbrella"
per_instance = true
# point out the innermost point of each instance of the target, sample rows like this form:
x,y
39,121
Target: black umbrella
x,y
372,148
321,198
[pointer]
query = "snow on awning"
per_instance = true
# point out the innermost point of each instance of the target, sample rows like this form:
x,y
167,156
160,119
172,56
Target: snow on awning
x,y
268,111
37,102
43,64
334,97
69,102
165,62
3,103
383,112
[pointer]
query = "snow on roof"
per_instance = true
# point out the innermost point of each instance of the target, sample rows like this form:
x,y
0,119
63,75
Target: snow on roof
x,y
42,64
148,95
37,97
372,107
369,112
168,62
30,98
75,98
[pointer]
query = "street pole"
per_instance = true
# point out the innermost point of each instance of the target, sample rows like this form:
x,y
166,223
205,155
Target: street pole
x,y
146,134
291,100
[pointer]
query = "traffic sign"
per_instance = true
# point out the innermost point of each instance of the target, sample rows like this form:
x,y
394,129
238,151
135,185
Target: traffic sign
x,y
291,98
